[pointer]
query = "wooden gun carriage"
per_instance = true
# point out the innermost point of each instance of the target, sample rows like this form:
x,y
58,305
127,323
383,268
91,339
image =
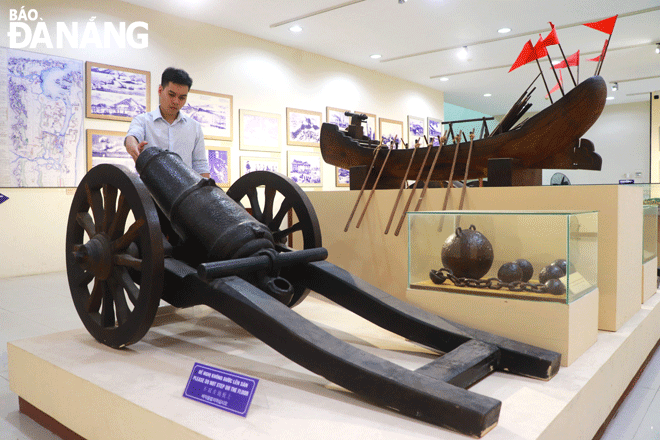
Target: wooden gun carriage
x,y
205,248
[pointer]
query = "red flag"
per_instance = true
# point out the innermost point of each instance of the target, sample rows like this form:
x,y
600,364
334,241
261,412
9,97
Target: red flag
x,y
539,50
602,54
606,25
573,60
526,55
551,39
555,88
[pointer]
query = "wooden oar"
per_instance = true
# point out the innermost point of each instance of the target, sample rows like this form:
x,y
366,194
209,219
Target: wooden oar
x,y
373,189
364,184
428,178
457,140
419,174
403,185
467,168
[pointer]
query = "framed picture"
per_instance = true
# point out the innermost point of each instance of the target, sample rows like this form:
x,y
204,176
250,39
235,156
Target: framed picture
x,y
415,130
303,127
336,116
391,131
213,111
305,168
342,177
116,93
105,146
249,164
370,126
259,131
220,165
435,130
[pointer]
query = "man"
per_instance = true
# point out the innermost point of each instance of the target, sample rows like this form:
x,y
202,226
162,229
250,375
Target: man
x,y
167,127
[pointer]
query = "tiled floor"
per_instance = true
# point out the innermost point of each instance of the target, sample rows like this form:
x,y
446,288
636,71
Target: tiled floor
x,y
38,305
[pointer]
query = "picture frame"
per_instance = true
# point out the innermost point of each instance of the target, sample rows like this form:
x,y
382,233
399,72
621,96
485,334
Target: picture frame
x,y
337,117
213,111
256,163
305,168
370,126
415,129
259,131
116,93
303,127
220,165
106,146
342,177
434,130
388,129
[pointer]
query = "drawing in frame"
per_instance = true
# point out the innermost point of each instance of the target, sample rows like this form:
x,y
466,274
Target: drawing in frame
x,y
370,126
214,112
303,127
116,93
389,131
259,131
220,165
415,129
105,146
342,177
305,168
253,163
337,117
434,130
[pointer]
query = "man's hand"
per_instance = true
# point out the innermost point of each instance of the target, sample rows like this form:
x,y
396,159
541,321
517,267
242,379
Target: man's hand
x,y
133,147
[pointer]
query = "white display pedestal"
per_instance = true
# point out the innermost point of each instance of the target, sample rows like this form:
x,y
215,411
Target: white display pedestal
x,y
569,329
649,279
136,393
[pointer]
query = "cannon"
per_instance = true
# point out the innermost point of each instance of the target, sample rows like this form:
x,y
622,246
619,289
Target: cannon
x,y
170,234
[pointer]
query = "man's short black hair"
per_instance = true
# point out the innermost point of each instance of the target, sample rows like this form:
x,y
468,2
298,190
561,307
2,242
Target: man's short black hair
x,y
177,76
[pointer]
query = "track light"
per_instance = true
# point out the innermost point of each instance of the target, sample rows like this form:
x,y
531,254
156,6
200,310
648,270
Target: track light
x,y
615,86
402,1
657,47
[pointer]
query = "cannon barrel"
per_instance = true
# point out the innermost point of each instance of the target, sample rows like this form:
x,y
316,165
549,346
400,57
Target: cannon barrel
x,y
199,210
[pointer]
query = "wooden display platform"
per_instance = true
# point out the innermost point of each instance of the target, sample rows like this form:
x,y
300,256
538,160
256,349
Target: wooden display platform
x,y
382,260
137,393
533,318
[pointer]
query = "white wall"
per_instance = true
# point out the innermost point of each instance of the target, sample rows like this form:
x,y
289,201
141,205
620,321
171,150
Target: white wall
x,y
260,75
622,138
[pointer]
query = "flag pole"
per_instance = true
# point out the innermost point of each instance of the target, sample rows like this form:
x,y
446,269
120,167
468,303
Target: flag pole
x,y
569,66
561,87
545,83
600,65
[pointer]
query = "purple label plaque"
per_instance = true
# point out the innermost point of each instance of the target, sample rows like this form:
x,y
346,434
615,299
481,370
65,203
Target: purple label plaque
x,y
3,198
222,389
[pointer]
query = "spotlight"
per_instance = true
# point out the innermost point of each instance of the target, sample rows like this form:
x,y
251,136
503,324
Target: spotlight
x,y
463,53
402,1
615,86
657,47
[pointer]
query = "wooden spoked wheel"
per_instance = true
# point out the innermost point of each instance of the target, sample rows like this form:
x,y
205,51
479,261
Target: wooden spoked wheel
x,y
114,255
277,187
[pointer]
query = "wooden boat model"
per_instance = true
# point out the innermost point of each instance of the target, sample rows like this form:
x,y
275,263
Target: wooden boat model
x,y
551,139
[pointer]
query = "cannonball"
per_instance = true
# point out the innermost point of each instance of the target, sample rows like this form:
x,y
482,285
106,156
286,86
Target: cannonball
x,y
527,269
509,272
467,253
561,263
550,272
555,287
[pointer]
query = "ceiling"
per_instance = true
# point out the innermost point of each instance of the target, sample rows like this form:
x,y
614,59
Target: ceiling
x,y
419,40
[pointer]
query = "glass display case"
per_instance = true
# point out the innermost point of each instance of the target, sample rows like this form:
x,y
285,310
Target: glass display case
x,y
531,255
650,233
